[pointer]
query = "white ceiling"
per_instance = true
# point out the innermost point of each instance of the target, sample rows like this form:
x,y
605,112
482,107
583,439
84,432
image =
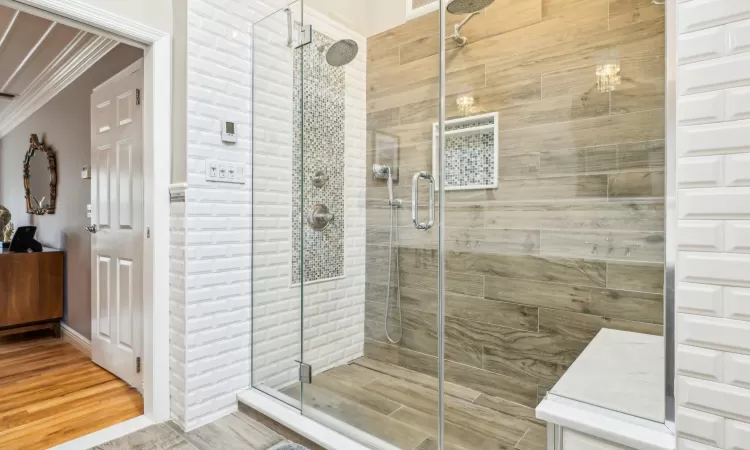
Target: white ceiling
x,y
38,58
368,17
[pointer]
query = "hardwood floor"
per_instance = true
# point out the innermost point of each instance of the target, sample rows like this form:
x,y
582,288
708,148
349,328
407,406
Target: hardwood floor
x,y
52,393
399,406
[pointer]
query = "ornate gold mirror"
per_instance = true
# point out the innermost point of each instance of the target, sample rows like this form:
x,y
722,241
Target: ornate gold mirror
x,y
40,178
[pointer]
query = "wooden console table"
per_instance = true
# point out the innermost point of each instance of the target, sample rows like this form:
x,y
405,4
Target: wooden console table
x,y
31,291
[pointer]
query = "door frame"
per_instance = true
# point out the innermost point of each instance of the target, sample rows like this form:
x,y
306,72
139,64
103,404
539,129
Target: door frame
x,y
157,146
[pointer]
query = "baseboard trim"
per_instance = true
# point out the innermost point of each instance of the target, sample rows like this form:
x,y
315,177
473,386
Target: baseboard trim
x,y
76,339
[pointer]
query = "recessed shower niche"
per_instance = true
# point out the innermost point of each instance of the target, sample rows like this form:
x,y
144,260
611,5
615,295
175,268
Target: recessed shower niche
x,y
471,152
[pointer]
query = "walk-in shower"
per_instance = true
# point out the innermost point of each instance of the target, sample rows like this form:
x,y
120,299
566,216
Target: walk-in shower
x,y
404,328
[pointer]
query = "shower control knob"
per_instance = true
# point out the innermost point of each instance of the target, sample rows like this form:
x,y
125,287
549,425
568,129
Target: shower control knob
x,y
320,217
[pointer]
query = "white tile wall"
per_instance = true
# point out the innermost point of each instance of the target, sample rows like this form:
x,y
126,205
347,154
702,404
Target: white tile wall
x,y
211,243
713,266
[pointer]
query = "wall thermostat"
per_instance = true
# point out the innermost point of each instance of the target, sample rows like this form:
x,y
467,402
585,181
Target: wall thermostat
x,y
228,131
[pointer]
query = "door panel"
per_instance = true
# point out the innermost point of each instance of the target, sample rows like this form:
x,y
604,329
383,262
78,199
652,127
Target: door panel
x,y
117,214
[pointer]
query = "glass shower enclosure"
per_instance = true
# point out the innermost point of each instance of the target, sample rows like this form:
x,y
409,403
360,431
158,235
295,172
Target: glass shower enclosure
x,y
448,206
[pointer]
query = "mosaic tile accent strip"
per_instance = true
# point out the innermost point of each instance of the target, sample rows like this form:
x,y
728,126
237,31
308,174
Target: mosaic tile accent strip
x,y
470,160
319,137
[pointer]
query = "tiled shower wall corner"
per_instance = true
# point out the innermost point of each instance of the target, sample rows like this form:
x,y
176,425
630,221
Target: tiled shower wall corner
x,y
210,301
572,240
713,265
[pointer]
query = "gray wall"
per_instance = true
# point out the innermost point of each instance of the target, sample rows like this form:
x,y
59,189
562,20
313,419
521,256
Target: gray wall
x,y
64,124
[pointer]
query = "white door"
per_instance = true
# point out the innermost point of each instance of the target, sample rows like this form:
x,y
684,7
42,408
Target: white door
x,y
117,224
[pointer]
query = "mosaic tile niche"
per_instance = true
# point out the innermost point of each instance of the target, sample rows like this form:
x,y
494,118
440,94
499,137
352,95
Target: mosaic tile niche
x,y
470,152
319,139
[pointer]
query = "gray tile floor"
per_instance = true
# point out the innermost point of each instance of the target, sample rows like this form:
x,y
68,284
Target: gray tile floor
x,y
237,431
394,404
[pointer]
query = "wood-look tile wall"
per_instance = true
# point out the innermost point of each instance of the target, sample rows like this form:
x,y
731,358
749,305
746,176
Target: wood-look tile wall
x,y
572,240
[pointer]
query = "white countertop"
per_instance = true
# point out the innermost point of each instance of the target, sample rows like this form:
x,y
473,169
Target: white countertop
x,y
620,371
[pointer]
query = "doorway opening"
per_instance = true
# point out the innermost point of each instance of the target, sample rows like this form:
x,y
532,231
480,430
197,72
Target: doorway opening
x,y
76,343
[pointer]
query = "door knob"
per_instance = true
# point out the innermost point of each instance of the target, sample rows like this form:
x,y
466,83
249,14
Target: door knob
x,y
91,229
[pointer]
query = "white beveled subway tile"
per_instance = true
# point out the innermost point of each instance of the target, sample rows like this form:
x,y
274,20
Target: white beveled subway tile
x,y
739,36
714,138
714,74
737,236
701,426
714,333
700,362
700,299
736,435
737,106
699,171
737,370
701,108
716,398
737,303
737,168
701,14
701,45
714,203
687,444
700,235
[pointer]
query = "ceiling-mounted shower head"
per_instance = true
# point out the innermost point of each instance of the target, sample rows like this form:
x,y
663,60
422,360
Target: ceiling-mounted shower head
x,y
341,53
468,6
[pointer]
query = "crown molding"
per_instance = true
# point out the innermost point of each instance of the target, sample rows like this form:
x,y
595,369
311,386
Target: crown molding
x,y
86,49
98,18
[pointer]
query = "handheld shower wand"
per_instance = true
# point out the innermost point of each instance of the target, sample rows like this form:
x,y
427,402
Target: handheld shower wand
x,y
384,172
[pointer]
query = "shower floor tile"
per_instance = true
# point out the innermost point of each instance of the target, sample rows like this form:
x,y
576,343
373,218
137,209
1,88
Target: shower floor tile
x,y
399,406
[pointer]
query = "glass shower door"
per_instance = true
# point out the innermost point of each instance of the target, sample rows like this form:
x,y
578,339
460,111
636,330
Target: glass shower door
x,y
276,288
369,234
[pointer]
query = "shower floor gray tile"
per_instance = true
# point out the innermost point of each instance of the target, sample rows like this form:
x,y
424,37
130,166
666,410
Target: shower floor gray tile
x,y
392,403
399,406
234,432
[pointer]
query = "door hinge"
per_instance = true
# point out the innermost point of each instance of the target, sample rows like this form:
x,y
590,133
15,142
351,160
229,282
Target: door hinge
x,y
138,365
148,232
137,96
305,373
304,36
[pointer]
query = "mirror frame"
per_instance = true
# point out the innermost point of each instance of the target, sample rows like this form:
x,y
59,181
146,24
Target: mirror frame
x,y
36,146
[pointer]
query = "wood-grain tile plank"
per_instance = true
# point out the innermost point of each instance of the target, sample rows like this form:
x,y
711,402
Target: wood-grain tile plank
x,y
637,185
428,381
585,327
643,277
236,430
637,246
534,439
625,215
509,315
361,417
476,418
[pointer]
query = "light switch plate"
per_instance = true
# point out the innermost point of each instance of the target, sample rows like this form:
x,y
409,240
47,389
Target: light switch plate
x,y
86,172
225,172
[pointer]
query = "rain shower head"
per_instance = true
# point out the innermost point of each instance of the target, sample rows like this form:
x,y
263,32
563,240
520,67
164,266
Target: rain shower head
x,y
341,53
468,6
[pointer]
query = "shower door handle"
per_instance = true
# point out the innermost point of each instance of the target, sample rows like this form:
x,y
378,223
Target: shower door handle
x,y
415,201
